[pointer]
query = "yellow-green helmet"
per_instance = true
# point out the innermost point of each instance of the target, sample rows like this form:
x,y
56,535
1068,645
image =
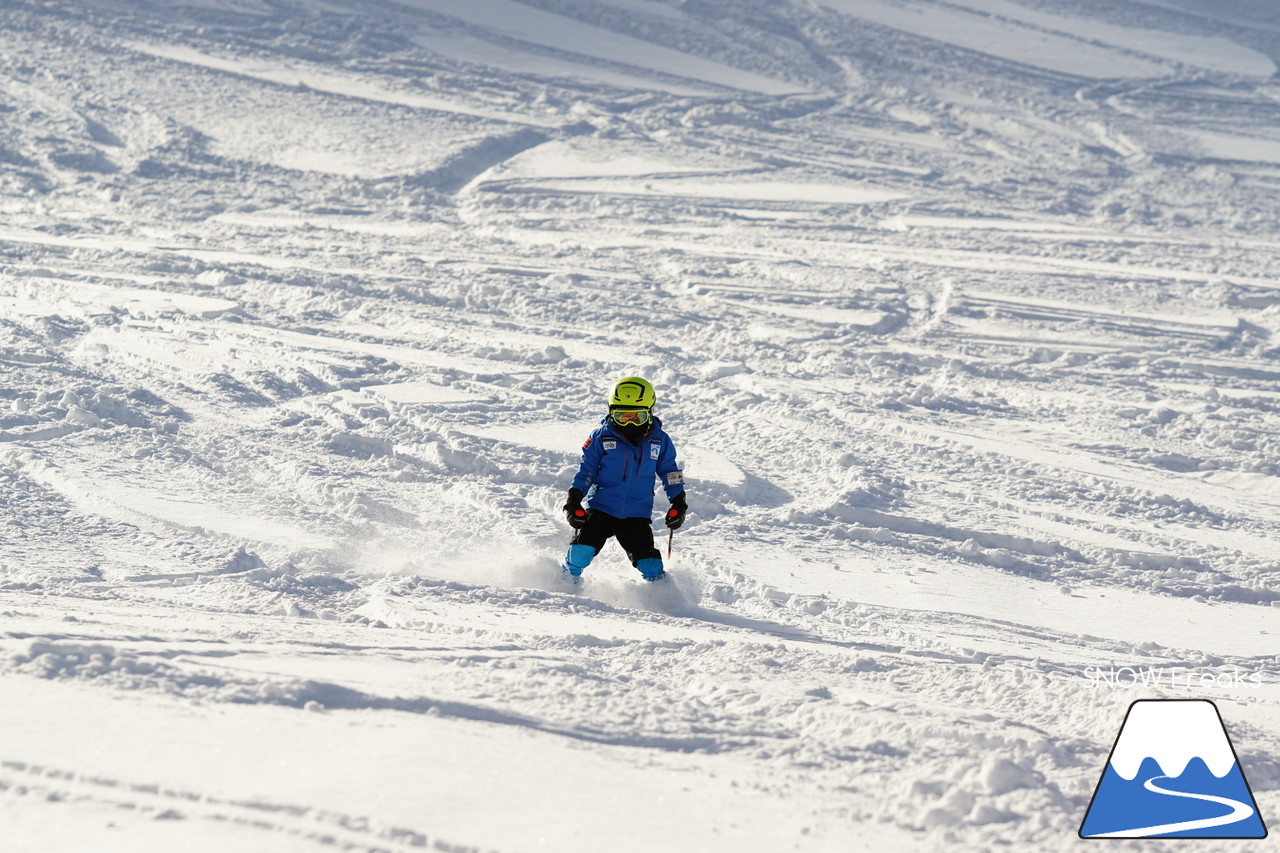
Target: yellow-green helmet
x,y
633,393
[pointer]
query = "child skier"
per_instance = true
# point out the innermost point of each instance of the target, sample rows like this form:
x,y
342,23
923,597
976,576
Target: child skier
x,y
619,463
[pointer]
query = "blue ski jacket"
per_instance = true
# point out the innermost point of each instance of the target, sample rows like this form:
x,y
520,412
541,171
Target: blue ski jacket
x,y
617,476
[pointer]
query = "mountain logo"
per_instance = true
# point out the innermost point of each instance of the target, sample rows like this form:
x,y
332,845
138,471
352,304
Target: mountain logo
x,y
1173,773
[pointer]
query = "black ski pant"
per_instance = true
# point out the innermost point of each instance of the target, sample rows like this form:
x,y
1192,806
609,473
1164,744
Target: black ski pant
x,y
635,535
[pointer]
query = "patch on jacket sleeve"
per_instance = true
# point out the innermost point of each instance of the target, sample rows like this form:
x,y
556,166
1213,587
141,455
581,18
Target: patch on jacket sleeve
x,y
586,444
675,478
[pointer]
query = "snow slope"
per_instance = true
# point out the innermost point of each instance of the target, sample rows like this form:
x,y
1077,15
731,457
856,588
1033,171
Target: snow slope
x,y
962,316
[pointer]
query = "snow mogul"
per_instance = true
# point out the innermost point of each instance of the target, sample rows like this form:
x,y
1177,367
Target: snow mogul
x,y
612,494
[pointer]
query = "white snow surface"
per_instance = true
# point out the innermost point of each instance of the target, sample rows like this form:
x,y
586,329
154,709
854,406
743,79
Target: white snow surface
x,y
1172,733
963,317
559,33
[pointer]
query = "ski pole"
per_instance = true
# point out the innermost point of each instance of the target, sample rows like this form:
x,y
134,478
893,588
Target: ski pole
x,y
672,513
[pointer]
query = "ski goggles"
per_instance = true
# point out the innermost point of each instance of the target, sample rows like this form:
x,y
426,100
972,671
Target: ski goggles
x,y
630,417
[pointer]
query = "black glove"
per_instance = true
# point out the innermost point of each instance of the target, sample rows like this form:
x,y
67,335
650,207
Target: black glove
x,y
675,515
573,510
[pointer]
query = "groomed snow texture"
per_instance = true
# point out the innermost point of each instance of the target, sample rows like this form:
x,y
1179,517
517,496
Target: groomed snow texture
x,y
964,317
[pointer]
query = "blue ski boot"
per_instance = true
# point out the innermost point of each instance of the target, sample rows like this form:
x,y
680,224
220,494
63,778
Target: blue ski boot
x,y
577,558
651,569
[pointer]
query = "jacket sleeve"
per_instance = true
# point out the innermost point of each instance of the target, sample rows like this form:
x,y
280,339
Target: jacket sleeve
x,y
589,467
669,473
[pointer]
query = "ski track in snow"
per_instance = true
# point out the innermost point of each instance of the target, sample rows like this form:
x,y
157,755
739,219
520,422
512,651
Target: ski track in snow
x,y
962,316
